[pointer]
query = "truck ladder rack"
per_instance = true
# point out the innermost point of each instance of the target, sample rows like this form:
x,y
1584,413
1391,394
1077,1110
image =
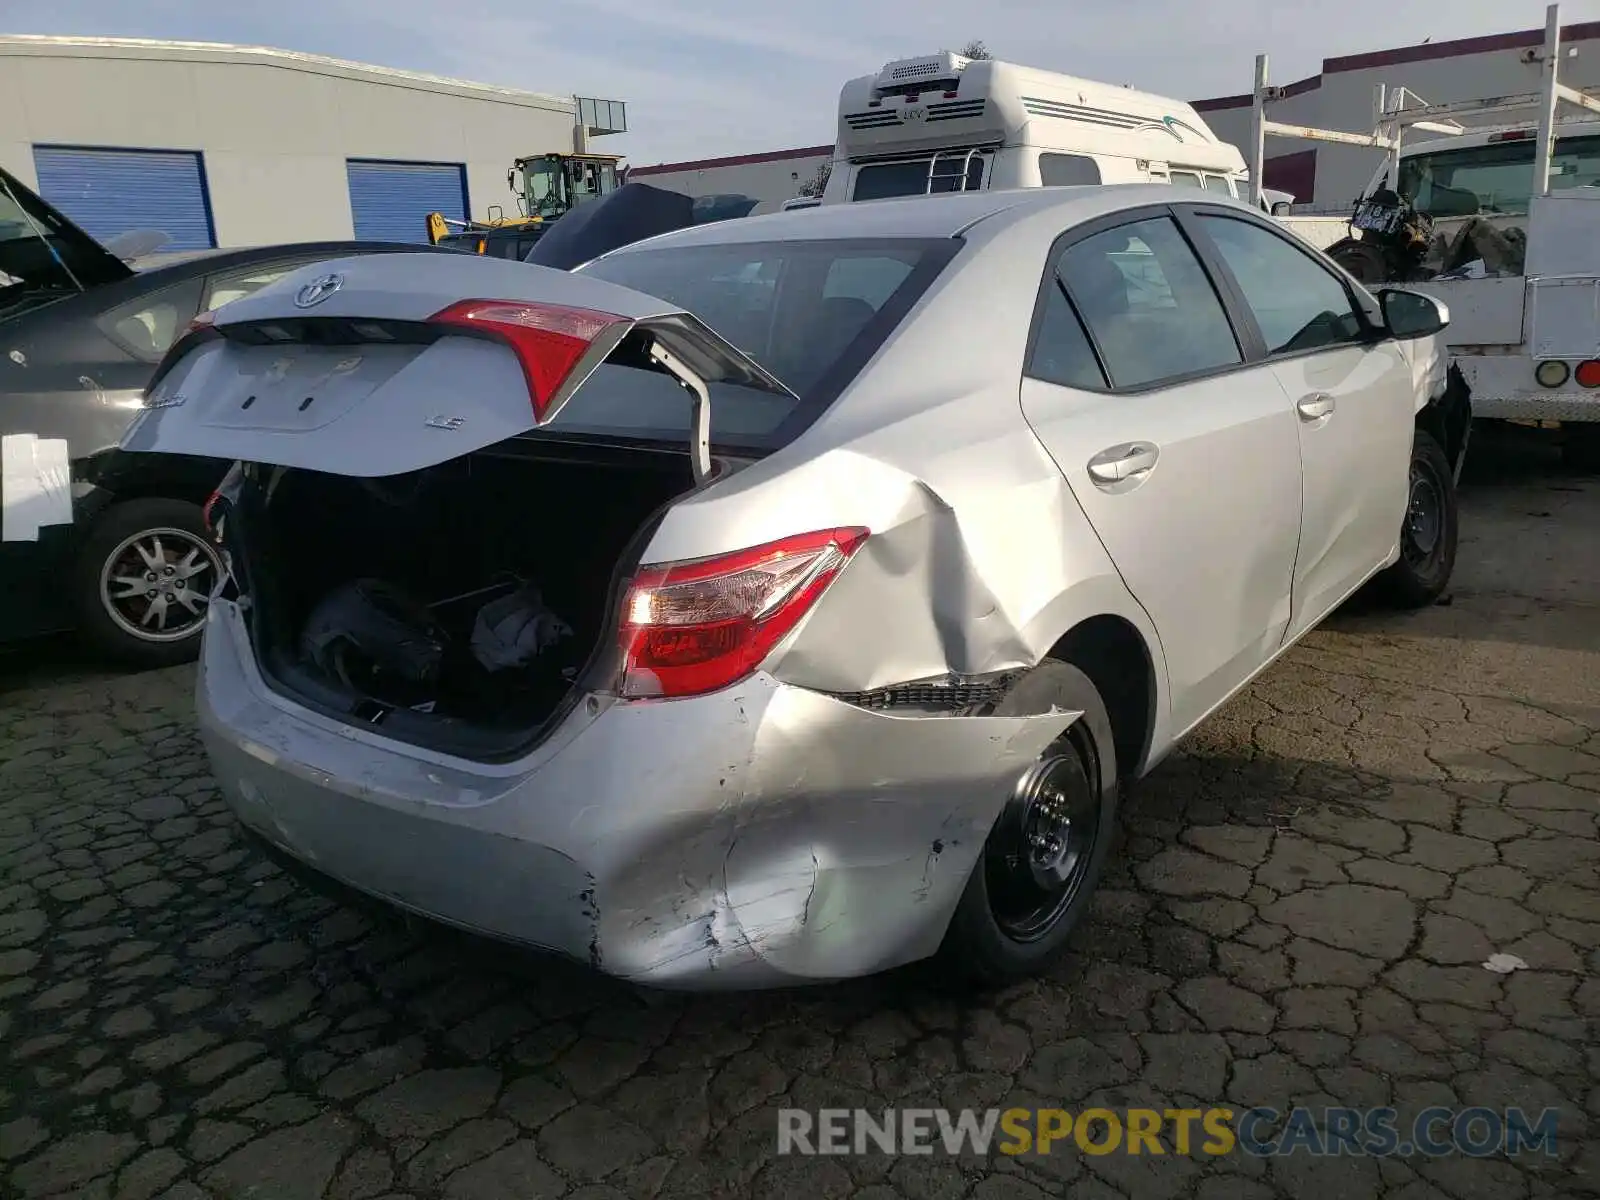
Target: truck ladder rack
x,y
1393,114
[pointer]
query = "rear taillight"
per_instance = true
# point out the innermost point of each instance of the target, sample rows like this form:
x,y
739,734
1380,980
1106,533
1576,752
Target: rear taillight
x,y
694,627
549,340
1588,374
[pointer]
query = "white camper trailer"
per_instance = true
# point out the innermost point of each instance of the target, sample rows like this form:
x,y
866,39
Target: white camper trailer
x,y
945,123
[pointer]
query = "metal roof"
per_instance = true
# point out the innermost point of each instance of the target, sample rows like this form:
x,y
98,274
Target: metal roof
x,y
49,45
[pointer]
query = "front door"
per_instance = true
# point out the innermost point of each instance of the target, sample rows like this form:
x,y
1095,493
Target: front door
x,y
1184,459
1354,400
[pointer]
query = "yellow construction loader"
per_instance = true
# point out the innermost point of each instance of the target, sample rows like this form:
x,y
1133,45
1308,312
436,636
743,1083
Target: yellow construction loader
x,y
547,186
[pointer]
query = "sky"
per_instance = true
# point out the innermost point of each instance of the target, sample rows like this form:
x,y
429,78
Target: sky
x,y
706,78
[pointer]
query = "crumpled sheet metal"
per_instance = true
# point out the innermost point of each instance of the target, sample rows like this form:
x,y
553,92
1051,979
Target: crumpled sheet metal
x,y
978,574
841,849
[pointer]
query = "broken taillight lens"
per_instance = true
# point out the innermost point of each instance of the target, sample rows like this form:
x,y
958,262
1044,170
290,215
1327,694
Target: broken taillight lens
x,y
694,627
208,514
549,340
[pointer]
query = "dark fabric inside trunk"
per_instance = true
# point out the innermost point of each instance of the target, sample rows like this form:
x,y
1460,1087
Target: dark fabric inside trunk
x,y
453,538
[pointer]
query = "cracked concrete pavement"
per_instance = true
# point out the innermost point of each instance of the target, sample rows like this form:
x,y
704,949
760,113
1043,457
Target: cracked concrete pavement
x,y
1296,911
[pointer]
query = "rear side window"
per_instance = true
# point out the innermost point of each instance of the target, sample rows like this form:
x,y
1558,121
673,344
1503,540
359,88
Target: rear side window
x,y
1061,351
810,312
1148,303
1185,179
147,326
1067,170
1218,183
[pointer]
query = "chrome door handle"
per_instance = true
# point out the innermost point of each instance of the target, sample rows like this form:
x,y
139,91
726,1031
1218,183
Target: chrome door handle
x,y
1126,461
1315,406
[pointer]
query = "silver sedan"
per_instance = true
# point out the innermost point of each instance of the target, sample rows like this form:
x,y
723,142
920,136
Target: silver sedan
x,y
786,599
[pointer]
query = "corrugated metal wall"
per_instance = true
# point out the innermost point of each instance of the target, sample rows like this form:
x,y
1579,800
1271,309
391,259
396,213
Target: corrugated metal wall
x,y
390,201
112,191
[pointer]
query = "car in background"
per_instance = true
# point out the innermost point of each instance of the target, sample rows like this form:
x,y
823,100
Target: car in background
x,y
788,598
93,540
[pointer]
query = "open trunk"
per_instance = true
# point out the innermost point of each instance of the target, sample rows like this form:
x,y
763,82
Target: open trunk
x,y
457,606
419,552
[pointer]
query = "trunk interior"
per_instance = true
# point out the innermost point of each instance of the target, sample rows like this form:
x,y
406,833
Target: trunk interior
x,y
455,607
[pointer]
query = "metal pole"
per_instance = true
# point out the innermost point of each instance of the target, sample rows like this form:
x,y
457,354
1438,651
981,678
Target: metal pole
x,y
1258,131
1550,68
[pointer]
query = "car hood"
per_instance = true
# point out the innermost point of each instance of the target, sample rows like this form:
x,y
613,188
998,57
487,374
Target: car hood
x,y
41,247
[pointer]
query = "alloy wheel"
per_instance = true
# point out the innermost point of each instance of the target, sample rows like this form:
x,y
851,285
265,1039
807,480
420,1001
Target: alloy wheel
x,y
156,584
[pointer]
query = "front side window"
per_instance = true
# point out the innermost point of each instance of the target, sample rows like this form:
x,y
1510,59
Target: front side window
x,y
1185,179
1298,305
1148,303
1495,178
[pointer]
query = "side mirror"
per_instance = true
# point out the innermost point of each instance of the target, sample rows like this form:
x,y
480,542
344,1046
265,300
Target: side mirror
x,y
1411,314
1282,208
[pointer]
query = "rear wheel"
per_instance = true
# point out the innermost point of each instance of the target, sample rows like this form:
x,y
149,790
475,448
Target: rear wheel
x,y
1045,853
143,580
1428,536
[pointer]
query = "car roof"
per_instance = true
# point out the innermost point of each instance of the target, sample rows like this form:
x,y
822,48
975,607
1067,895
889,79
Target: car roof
x,y
941,216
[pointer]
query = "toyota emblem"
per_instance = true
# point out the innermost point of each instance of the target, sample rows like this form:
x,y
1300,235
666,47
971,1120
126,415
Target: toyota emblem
x,y
318,290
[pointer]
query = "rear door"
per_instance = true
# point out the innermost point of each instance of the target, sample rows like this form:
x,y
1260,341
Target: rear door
x,y
1353,397
1183,455
390,363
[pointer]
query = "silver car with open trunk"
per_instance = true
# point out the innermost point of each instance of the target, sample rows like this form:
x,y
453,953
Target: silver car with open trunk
x,y
788,598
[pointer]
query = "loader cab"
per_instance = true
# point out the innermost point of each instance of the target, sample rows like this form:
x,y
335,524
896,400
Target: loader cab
x,y
554,184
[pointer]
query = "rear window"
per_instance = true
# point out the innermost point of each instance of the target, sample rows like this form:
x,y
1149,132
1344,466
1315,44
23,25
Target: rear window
x,y
1496,178
948,171
811,312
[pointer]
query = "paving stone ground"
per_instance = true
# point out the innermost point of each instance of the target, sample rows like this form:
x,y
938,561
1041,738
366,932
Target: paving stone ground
x,y
1297,911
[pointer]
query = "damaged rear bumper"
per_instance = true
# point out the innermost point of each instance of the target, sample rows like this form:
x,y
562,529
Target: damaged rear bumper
x,y
760,836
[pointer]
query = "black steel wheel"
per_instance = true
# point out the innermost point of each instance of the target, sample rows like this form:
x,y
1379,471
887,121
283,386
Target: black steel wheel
x,y
1429,531
1043,856
1038,856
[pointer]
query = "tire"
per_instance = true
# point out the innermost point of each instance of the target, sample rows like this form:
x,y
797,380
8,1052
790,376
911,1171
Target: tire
x,y
1428,535
992,939
1580,447
1362,261
121,544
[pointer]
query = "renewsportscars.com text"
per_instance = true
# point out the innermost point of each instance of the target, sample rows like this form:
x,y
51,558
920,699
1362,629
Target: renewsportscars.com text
x,y
1259,1132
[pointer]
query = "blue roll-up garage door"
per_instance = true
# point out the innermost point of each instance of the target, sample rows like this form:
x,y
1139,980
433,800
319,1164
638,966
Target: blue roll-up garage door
x,y
390,201
109,192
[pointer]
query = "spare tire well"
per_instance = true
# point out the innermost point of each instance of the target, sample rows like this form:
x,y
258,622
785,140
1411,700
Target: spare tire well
x,y
1112,653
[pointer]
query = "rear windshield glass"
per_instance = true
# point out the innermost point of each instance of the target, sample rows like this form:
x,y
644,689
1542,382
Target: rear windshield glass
x,y
811,312
948,171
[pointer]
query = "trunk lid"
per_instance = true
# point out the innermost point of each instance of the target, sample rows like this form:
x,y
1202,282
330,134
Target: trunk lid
x,y
386,364
40,247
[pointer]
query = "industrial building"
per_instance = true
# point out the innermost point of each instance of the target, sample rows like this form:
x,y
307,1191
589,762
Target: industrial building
x,y
1321,176
219,145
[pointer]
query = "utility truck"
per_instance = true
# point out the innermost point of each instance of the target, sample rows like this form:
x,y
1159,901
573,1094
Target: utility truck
x,y
947,123
1499,221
